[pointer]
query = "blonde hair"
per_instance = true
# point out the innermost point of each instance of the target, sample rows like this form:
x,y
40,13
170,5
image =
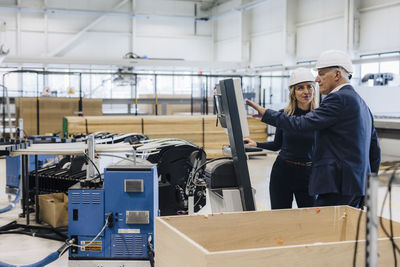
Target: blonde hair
x,y
291,107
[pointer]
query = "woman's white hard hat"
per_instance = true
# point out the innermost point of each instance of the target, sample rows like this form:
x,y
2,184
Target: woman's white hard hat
x,y
301,75
333,58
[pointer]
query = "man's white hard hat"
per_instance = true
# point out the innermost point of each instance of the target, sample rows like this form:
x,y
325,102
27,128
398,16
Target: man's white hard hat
x,y
332,58
301,75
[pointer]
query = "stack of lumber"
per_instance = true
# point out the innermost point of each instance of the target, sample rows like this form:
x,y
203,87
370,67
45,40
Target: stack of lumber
x,y
200,130
51,112
111,124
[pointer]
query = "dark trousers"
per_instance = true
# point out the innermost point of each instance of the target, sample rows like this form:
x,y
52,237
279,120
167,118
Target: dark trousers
x,y
333,199
287,180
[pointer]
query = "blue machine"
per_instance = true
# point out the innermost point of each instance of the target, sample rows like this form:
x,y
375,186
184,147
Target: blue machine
x,y
127,204
13,170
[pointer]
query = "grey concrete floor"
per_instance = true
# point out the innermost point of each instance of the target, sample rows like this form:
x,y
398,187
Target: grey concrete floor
x,y
18,249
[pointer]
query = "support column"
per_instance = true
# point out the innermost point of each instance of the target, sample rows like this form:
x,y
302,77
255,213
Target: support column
x,y
289,32
245,38
45,29
352,26
133,27
18,35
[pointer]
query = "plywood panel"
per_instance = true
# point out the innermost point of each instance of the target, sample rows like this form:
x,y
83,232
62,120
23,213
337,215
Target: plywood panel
x,y
176,244
299,237
332,254
263,229
51,112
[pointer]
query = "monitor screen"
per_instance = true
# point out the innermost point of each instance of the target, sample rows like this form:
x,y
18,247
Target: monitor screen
x,y
240,105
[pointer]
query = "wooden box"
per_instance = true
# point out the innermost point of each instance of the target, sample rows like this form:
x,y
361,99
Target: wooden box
x,y
297,237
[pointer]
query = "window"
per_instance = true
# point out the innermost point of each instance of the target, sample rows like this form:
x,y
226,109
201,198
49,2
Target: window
x,y
165,85
11,82
182,85
273,91
145,85
101,85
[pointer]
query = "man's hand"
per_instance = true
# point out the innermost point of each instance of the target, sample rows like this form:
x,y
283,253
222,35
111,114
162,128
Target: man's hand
x,y
249,142
260,110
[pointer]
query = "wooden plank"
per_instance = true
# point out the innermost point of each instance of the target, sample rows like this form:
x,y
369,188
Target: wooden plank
x,y
51,112
262,229
331,254
353,220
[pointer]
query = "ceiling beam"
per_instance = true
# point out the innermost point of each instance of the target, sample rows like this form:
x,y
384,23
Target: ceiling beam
x,y
61,50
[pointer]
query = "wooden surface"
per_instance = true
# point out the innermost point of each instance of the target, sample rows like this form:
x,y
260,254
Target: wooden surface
x,y
200,130
329,254
295,237
51,112
174,243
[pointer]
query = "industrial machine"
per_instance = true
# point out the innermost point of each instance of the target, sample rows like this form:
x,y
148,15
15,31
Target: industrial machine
x,y
114,220
176,161
111,216
222,188
378,78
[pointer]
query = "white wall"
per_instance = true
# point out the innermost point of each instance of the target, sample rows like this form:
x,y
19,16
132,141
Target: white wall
x,y
382,100
380,29
314,38
227,31
320,25
267,33
171,35
258,34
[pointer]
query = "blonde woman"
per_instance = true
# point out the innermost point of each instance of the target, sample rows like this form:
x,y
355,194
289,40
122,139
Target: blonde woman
x,y
292,168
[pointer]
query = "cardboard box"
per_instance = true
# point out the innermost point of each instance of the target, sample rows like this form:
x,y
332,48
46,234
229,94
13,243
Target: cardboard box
x,y
294,237
53,209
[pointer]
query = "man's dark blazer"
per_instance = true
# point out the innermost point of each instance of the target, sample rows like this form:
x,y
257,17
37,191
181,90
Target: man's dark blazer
x,y
346,144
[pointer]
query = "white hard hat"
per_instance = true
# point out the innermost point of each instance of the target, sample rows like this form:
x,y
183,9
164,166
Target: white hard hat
x,y
301,75
332,58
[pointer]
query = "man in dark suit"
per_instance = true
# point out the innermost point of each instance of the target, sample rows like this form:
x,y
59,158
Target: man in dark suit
x,y
346,144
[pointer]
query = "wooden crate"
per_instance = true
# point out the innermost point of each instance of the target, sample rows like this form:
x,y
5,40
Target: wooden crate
x,y
294,237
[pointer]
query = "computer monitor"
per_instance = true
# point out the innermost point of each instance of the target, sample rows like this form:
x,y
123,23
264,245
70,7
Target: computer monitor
x,y
236,90
232,115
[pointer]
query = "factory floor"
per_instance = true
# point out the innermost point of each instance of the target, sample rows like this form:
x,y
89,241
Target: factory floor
x,y
19,249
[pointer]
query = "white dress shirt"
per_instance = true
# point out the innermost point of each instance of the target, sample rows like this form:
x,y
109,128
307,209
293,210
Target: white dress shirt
x,y
339,87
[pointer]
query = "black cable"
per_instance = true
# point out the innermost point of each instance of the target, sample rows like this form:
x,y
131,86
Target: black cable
x,y
356,241
209,161
392,177
151,254
205,163
87,156
391,235
391,225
